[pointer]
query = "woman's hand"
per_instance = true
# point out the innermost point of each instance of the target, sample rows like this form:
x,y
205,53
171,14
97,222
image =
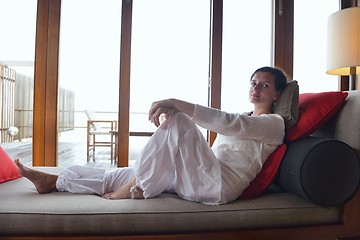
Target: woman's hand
x,y
163,107
168,107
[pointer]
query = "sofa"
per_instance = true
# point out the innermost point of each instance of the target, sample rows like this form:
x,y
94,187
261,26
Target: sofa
x,y
295,205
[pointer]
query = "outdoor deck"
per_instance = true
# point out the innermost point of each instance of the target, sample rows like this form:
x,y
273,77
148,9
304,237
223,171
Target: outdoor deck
x,y
72,151
69,153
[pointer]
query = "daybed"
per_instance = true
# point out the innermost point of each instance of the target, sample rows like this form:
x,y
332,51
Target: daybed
x,y
289,209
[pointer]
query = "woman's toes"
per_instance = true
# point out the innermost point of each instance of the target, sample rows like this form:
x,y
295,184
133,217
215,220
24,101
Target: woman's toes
x,y
106,196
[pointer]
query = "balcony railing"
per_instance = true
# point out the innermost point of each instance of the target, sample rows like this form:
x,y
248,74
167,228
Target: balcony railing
x,y
7,97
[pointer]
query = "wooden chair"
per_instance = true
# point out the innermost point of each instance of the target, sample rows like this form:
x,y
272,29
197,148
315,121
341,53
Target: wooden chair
x,y
100,133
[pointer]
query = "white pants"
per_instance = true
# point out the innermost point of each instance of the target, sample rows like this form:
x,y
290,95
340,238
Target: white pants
x,y
87,180
176,158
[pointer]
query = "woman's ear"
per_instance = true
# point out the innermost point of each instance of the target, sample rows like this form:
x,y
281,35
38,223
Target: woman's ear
x,y
278,93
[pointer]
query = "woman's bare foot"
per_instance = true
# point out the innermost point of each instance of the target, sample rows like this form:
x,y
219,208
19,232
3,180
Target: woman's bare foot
x,y
44,182
125,192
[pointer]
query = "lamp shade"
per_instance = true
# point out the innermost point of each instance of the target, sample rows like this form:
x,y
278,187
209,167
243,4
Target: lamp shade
x,y
343,46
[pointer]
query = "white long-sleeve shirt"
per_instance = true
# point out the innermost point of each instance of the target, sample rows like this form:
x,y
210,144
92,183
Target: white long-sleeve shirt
x,y
242,145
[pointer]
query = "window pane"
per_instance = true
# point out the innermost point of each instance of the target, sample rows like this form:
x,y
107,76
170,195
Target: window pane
x,y
310,31
88,74
17,53
170,55
246,47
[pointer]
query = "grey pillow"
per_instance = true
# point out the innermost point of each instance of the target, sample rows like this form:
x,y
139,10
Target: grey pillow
x,y
287,105
325,171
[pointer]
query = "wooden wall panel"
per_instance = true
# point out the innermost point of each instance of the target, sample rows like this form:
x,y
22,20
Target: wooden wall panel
x,y
284,36
124,85
344,81
215,59
45,83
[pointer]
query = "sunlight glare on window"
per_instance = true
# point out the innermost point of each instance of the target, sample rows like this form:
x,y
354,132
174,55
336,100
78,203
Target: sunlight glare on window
x,y
246,47
310,32
17,53
88,70
170,54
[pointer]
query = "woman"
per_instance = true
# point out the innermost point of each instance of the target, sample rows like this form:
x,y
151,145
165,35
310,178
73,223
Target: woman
x,y
178,159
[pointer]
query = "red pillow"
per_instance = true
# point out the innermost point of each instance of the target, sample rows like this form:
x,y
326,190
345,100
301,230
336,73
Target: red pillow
x,y
8,169
314,110
267,174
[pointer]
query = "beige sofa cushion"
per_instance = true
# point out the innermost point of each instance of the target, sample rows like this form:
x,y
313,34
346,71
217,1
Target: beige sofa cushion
x,y
24,211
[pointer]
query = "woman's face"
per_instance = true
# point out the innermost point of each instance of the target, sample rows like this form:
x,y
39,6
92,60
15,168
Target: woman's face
x,y
262,89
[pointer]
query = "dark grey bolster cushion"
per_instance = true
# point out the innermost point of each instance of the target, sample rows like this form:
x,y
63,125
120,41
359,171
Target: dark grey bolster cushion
x,y
325,171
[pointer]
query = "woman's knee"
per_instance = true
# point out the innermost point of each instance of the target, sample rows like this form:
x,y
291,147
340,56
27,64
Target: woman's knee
x,y
179,122
182,120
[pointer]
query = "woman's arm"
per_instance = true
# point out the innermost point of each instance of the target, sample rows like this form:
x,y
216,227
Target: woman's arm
x,y
167,107
266,128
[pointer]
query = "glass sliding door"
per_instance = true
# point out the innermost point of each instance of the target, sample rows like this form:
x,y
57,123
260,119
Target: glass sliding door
x,y
169,59
17,53
88,78
247,44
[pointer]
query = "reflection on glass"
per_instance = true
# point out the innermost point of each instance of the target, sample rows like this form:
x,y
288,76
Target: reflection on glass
x,y
310,31
88,74
170,55
246,47
17,52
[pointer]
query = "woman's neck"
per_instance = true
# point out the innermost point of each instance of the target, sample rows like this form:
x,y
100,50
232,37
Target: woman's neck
x,y
258,112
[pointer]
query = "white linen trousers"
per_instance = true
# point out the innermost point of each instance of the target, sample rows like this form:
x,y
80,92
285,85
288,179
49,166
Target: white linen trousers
x,y
176,158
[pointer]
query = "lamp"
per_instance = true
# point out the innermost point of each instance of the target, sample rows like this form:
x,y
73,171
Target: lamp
x,y
344,44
